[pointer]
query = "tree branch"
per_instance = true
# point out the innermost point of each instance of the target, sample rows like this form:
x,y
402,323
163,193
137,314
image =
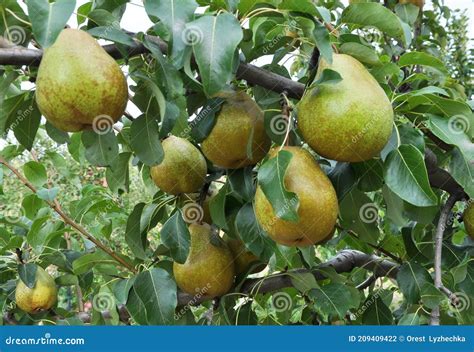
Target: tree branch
x,y
440,228
68,220
344,262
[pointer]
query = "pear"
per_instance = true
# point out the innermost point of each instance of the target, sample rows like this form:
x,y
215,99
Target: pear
x,y
79,86
41,297
239,123
347,121
468,219
243,258
418,3
317,206
183,169
209,268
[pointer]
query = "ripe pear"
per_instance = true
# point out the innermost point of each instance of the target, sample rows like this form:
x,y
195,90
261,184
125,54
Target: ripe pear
x,y
468,219
79,86
317,207
239,122
41,297
243,258
418,3
183,169
347,121
209,268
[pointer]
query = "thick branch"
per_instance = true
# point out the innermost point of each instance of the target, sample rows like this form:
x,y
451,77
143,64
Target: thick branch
x,y
344,262
440,228
68,220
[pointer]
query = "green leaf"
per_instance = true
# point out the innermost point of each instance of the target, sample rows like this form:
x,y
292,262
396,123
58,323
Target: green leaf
x,y
377,312
117,174
27,273
423,59
134,236
327,77
35,173
153,298
408,13
241,183
47,194
271,179
255,239
174,14
26,124
48,19
411,278
113,34
360,214
405,174
361,52
304,6
31,205
145,141
217,208
462,169
101,149
168,76
56,135
205,120
323,42
431,296
175,236
86,262
453,131
216,39
374,15
332,299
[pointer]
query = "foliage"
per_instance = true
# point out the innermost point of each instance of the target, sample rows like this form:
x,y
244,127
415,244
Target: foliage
x,y
389,205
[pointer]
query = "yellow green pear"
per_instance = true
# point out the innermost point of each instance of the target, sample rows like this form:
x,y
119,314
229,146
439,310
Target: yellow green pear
x,y
243,258
347,121
209,269
41,297
468,219
183,169
79,86
239,123
418,3
317,209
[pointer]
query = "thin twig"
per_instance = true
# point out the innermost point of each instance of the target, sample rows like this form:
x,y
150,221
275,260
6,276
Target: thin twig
x,y
68,220
440,228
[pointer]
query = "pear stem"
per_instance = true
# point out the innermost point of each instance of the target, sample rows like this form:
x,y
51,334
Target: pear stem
x,y
55,206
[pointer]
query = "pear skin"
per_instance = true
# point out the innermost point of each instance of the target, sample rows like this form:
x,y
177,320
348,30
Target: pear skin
x,y
347,121
183,169
41,297
209,268
418,3
317,209
79,85
468,219
239,120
